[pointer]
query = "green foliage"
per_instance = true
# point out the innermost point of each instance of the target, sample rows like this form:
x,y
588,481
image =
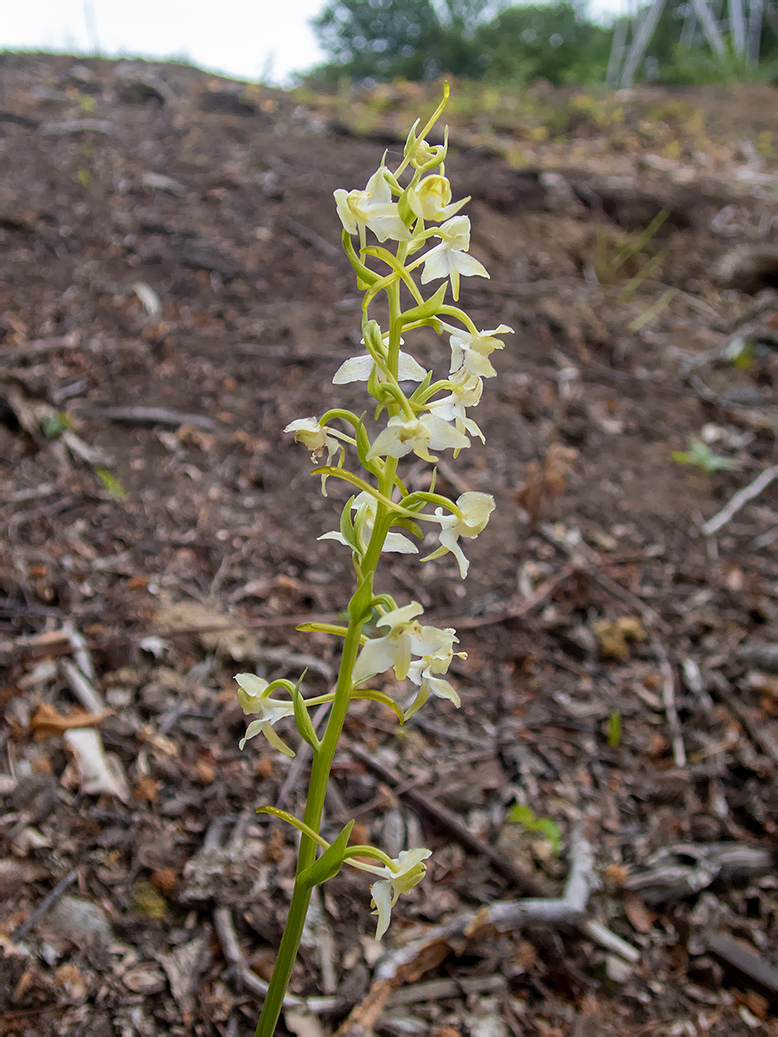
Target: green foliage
x,y
609,263
521,815
549,41
379,39
110,481
472,39
614,729
700,455
503,42
53,427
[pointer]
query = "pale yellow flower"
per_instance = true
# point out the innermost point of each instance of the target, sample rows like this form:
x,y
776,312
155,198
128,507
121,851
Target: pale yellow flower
x,y
253,701
403,435
405,872
476,509
431,199
372,208
316,437
470,353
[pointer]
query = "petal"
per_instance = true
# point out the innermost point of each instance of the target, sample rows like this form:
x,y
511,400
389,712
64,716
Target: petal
x,y
395,543
378,189
448,538
436,264
409,370
397,617
344,212
468,265
276,741
443,436
355,369
409,859
376,657
387,443
381,892
476,508
334,536
402,656
253,729
251,690
443,690
473,428
389,226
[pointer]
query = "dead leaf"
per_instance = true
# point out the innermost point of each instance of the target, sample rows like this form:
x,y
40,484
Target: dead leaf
x,y
48,722
613,636
98,772
641,919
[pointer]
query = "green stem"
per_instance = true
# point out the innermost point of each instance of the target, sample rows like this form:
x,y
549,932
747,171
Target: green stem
x,y
324,755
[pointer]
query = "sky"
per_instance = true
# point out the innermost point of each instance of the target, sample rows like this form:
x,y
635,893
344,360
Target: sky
x,y
245,39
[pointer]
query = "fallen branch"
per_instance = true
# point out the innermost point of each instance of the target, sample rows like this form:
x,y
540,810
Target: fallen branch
x,y
407,963
150,416
310,237
740,499
48,901
744,963
228,941
38,347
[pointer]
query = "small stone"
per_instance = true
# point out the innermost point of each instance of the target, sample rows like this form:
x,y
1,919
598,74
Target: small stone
x,y
80,921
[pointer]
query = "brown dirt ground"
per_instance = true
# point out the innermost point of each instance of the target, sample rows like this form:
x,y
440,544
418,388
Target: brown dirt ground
x,y
582,615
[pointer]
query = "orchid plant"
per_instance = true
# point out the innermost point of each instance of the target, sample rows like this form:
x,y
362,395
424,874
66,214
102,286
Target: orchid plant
x,y
411,208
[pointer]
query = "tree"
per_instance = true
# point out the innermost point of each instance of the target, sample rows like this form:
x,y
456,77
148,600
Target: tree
x,y
380,39
555,41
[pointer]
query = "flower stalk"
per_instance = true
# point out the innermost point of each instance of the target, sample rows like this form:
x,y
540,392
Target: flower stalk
x,y
420,220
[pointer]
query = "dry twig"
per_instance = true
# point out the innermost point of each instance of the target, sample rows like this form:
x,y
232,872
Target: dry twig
x,y
447,819
668,699
740,499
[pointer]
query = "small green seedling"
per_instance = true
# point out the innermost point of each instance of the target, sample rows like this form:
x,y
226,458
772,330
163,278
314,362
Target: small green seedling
x,y
110,481
53,427
521,815
700,455
614,729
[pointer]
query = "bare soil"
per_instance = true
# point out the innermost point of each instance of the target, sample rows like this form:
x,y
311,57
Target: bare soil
x,y
178,249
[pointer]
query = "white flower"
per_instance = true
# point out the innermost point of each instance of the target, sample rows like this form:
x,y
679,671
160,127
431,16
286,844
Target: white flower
x,y
471,352
365,506
253,700
436,648
431,199
403,435
316,437
405,872
449,258
394,649
428,684
476,509
372,208
466,392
